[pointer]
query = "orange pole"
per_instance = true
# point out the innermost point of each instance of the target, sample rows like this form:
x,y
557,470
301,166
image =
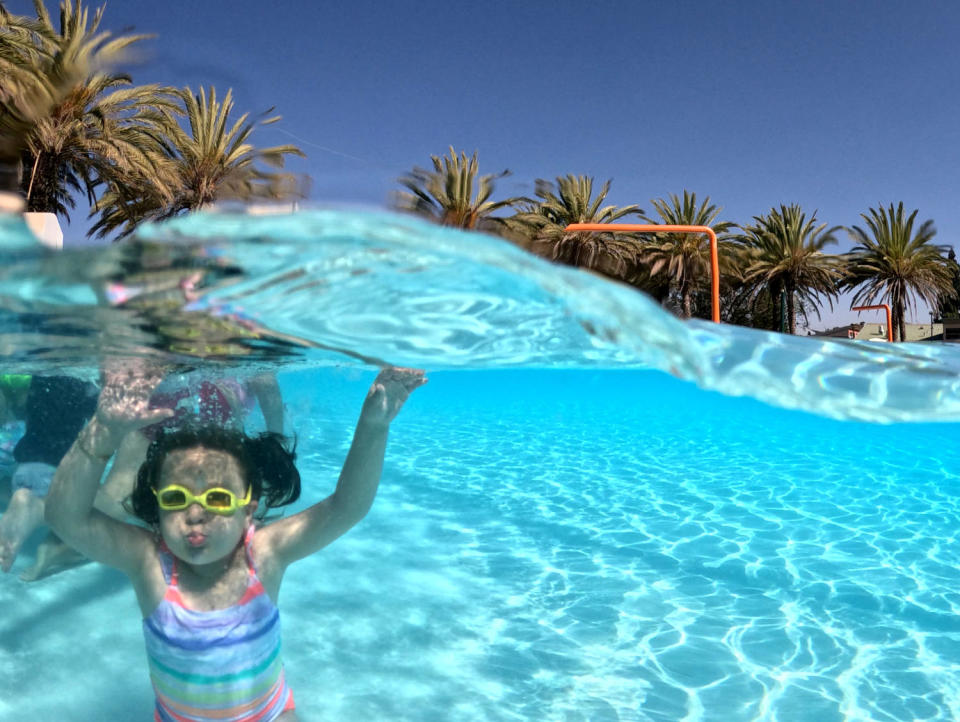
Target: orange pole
x,y
657,228
886,308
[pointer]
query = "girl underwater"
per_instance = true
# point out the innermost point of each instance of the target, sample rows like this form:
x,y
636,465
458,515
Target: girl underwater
x,y
219,400
206,578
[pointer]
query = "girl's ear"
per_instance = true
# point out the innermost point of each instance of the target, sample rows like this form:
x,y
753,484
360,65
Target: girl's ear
x,y
251,508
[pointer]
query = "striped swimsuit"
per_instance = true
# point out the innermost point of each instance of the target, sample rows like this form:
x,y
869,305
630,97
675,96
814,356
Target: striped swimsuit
x,y
218,665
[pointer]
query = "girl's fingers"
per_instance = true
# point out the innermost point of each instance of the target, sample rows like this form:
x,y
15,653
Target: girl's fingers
x,y
155,416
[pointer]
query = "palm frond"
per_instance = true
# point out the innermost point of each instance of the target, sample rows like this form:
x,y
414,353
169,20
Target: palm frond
x,y
894,263
782,252
197,156
571,199
453,193
683,259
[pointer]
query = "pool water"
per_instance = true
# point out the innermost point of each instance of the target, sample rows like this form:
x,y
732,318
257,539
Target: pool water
x,y
564,532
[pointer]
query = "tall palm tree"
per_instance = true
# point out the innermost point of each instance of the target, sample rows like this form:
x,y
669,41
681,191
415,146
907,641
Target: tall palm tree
x,y
782,252
93,127
684,258
571,200
206,161
446,193
892,262
948,304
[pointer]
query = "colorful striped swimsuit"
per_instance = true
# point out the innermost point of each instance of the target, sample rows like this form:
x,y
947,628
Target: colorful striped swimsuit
x,y
218,665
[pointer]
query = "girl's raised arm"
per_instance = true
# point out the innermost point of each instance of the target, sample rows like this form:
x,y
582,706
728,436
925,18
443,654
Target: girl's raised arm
x,y
123,407
300,535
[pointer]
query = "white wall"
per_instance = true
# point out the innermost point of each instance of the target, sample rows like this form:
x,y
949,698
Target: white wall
x,y
46,228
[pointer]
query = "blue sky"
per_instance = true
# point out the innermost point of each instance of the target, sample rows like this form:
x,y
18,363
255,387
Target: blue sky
x,y
838,106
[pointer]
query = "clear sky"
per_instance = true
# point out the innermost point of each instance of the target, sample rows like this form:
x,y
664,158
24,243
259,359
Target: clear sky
x,y
838,105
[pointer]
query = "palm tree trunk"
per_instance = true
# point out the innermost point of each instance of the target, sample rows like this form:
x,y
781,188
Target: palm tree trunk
x,y
783,312
791,311
41,189
685,297
896,317
777,310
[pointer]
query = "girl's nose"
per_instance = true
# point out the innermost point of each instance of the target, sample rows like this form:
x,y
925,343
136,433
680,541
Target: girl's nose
x,y
195,513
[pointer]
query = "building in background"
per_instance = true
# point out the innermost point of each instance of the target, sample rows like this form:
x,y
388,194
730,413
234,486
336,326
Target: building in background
x,y
878,332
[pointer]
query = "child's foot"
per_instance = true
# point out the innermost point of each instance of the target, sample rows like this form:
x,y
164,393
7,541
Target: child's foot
x,y
53,557
23,515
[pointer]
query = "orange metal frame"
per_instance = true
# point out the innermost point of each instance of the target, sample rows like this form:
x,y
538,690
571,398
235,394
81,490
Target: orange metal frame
x,y
656,228
886,308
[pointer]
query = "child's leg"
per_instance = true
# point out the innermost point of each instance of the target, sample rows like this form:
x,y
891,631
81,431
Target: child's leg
x,y
25,511
23,515
53,556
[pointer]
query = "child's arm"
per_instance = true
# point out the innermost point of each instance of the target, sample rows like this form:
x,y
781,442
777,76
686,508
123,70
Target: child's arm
x,y
118,486
70,511
300,535
267,391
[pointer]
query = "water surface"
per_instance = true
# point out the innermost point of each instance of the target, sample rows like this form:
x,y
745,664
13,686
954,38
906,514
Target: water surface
x,y
574,522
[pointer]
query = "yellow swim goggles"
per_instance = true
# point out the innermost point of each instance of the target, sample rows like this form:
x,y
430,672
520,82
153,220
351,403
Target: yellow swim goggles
x,y
216,500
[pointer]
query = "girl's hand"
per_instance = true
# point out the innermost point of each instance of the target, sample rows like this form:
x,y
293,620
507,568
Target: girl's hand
x,y
124,404
388,393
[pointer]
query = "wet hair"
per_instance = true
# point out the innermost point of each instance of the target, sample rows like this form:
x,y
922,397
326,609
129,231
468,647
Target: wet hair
x,y
266,461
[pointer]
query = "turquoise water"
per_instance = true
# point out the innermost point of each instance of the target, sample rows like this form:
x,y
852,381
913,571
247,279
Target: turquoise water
x,y
571,524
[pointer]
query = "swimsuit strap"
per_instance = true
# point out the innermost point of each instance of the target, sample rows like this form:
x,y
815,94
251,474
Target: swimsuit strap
x,y
168,562
248,550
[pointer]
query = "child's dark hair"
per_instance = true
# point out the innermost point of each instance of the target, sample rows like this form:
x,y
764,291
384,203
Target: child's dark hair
x,y
266,461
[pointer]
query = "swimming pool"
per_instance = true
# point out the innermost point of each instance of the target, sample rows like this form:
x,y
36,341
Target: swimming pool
x,y
562,531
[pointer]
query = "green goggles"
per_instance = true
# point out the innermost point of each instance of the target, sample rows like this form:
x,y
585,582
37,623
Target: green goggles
x,y
216,500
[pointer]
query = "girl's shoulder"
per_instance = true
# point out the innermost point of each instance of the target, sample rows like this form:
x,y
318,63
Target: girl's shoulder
x,y
151,579
264,561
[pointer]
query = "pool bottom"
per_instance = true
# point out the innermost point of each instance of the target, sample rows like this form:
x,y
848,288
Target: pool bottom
x,y
576,547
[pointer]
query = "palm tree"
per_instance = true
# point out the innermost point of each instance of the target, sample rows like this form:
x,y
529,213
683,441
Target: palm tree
x,y
948,304
446,193
95,122
26,93
896,264
684,258
205,162
571,200
782,252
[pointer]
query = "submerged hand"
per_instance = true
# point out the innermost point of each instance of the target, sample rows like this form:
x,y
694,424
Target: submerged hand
x,y
388,393
124,403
